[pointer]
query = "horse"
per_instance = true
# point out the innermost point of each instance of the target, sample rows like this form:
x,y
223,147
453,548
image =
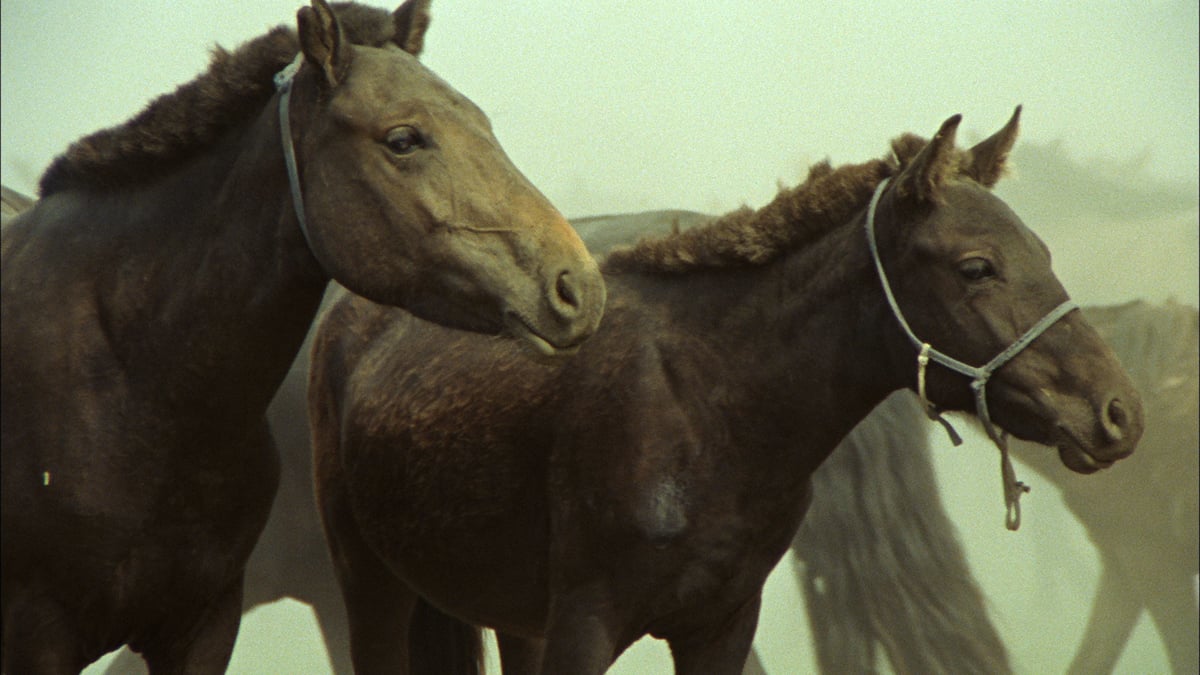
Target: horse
x,y
289,559
875,502
852,533
649,484
184,255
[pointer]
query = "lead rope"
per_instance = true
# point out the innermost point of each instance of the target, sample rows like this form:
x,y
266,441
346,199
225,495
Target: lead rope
x,y
1013,488
931,409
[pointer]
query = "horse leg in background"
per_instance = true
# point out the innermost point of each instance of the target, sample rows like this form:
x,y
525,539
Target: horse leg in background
x,y
840,628
1115,611
723,648
335,632
883,562
1173,608
518,655
1139,580
1163,585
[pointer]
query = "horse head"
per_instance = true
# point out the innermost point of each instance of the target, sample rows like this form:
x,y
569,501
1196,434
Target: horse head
x,y
975,284
410,200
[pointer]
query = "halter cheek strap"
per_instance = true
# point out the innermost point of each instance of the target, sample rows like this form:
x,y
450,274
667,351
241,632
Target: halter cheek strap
x,y
1013,488
283,83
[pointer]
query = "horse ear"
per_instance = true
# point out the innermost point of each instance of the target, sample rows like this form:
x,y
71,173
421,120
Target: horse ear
x,y
322,41
918,183
985,162
411,20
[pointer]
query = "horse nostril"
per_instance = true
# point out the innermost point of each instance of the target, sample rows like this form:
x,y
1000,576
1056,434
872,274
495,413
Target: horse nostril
x,y
566,294
1115,420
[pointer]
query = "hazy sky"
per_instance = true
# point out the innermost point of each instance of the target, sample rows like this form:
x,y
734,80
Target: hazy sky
x,y
617,106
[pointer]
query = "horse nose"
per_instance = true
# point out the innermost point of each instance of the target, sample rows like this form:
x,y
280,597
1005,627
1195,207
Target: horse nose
x,y
567,298
1116,421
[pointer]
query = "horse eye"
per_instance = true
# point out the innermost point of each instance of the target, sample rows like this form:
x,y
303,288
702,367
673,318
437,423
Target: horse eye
x,y
404,140
976,269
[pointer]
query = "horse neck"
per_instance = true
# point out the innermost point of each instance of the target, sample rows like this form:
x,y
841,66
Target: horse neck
x,y
210,276
807,339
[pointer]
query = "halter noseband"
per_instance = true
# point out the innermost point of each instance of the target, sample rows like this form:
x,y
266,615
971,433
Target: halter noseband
x,y
283,83
1013,489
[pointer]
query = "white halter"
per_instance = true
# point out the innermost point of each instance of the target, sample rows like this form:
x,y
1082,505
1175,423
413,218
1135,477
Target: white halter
x,y
283,82
1013,489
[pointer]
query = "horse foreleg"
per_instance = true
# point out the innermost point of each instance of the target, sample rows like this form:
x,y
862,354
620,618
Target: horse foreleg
x,y
1115,609
379,606
720,650
579,635
205,644
127,662
520,656
754,665
39,638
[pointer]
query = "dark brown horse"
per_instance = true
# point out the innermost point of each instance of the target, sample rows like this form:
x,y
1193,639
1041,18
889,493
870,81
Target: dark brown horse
x,y
877,558
156,294
649,484
876,506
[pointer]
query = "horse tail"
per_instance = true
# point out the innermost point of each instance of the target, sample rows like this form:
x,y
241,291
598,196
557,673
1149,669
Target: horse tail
x,y
440,644
882,561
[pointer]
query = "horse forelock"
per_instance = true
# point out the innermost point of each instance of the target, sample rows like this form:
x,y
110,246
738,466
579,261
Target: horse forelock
x,y
828,198
177,126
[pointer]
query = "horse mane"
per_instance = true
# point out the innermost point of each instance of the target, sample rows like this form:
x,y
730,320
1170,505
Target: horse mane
x,y
827,198
175,127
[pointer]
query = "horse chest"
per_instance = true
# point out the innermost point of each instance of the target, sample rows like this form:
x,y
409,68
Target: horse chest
x,y
688,538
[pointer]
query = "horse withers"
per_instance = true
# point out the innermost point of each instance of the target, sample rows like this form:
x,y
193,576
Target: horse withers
x,y
651,483
154,297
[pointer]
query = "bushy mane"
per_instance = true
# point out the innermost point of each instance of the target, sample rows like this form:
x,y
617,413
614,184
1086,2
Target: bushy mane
x,y
828,197
175,127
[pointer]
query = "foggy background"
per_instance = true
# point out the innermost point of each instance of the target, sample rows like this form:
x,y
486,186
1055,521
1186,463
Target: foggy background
x,y
703,105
